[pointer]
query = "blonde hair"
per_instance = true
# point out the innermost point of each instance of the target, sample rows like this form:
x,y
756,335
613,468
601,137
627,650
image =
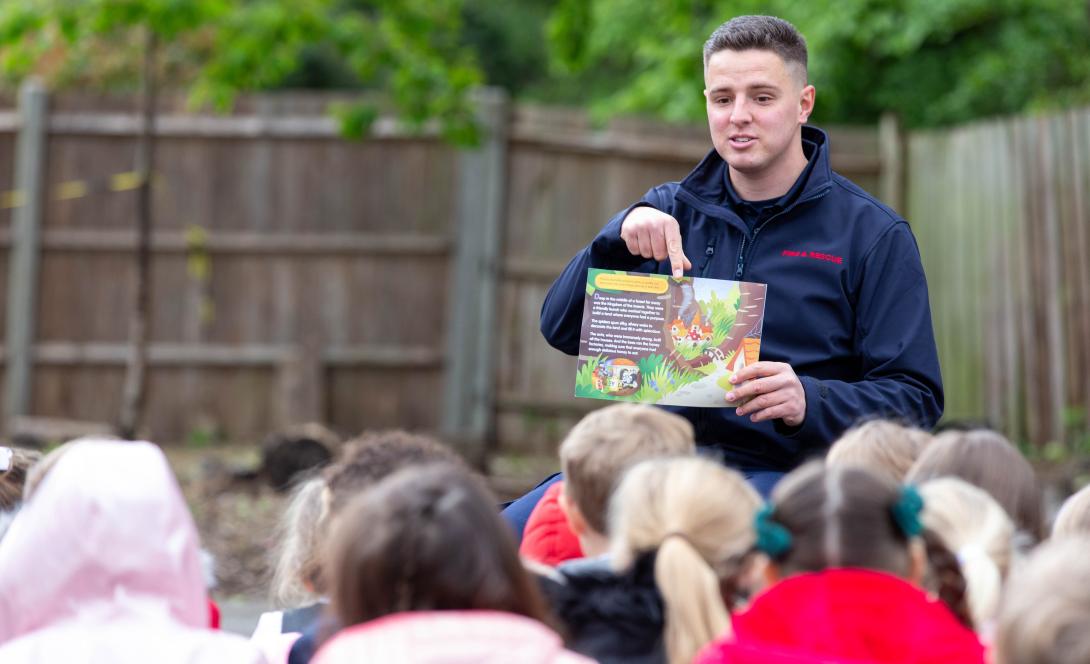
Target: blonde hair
x,y
297,574
699,517
975,528
885,448
598,450
1074,515
1045,617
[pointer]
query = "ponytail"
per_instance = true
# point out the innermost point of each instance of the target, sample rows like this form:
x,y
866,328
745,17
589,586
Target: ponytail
x,y
947,577
695,614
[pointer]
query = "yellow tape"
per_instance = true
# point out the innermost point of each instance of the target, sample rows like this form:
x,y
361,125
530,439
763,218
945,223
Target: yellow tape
x,y
72,189
11,199
126,181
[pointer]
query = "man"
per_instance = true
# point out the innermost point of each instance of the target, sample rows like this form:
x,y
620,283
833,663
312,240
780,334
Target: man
x,y
847,331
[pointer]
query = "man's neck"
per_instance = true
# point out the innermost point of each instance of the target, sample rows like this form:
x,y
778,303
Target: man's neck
x,y
772,183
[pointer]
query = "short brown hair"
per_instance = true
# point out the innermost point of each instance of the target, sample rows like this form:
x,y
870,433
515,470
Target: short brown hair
x,y
426,539
883,447
984,458
761,33
375,455
605,443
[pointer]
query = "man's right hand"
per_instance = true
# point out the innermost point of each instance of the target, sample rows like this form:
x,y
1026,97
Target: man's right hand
x,y
654,234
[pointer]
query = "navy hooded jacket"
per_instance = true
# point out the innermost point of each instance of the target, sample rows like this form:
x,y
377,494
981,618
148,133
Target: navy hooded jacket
x,y
846,305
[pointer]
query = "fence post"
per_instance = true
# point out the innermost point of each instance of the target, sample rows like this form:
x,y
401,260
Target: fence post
x,y
469,380
891,147
23,259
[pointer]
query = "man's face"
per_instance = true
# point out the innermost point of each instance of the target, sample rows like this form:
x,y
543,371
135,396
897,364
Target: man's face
x,y
756,106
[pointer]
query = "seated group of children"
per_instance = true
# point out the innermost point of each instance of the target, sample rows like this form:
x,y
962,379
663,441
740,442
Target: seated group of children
x,y
898,547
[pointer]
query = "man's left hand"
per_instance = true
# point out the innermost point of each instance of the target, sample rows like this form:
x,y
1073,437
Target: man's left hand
x,y
769,391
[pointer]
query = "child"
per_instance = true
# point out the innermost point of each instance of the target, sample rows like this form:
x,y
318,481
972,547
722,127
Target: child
x,y
882,447
680,530
1074,516
987,460
367,460
297,580
845,561
593,456
102,565
423,570
1045,618
977,530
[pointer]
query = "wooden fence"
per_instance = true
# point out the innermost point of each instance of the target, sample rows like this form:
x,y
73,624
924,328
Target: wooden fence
x,y
1002,215
390,282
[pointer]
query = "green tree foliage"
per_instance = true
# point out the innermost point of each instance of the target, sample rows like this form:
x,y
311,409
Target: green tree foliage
x,y
411,50
933,61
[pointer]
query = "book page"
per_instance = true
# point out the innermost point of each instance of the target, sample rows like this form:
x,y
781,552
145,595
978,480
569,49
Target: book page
x,y
657,339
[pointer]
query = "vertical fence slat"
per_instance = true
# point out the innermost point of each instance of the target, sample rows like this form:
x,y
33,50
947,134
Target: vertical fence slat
x,y
23,260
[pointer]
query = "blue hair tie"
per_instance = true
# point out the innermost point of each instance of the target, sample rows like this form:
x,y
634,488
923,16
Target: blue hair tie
x,y
772,538
906,511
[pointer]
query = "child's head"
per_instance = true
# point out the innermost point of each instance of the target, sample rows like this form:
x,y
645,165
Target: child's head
x,y
698,516
373,456
987,460
883,447
426,539
1045,616
842,516
1074,515
978,531
14,464
297,575
605,443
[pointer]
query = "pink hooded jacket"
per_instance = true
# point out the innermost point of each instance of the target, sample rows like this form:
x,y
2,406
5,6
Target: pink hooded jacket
x,y
101,565
448,637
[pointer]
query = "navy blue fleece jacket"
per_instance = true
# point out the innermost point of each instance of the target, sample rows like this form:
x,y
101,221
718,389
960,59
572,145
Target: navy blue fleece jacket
x,y
846,305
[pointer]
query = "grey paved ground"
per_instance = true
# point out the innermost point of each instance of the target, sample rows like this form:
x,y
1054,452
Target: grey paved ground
x,y
239,615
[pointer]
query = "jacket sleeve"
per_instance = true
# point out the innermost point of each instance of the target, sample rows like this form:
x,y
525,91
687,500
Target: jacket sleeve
x,y
562,311
896,345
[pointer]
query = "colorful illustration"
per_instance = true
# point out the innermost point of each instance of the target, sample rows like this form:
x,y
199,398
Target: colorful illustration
x,y
655,339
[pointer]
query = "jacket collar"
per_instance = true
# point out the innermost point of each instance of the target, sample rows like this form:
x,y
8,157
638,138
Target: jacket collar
x,y
705,188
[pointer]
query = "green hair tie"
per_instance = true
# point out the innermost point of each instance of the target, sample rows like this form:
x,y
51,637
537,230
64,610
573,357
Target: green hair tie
x,y
772,538
906,511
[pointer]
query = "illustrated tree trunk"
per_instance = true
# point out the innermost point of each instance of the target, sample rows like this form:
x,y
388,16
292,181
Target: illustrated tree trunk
x,y
132,397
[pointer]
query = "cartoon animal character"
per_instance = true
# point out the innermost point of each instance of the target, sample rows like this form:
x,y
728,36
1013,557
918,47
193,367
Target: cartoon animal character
x,y
618,376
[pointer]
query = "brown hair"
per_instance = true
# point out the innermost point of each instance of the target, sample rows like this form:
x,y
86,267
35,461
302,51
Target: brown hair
x,y
1074,515
986,459
375,455
883,447
761,33
698,515
605,443
843,516
1045,617
426,539
13,479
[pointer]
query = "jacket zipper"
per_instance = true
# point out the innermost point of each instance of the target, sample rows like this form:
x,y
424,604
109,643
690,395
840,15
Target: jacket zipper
x,y
708,253
740,266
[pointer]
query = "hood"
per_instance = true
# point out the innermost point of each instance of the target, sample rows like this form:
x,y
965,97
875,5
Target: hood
x,y
448,637
106,537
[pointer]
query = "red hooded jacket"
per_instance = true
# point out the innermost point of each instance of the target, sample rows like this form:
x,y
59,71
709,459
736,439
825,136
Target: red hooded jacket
x,y
547,538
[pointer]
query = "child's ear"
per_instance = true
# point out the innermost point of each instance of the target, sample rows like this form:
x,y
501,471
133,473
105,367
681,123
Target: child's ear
x,y
571,511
